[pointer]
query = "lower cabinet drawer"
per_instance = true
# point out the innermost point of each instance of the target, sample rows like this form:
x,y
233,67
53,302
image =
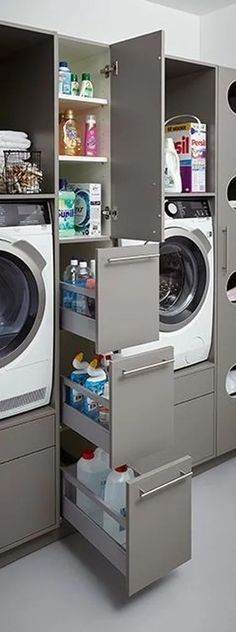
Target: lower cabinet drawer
x,y
27,497
21,439
138,385
194,428
151,536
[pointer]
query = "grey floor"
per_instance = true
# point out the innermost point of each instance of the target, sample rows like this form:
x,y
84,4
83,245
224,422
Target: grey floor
x,y
68,586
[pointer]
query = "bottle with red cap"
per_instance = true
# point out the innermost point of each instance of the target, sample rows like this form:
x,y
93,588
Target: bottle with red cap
x,y
92,471
115,497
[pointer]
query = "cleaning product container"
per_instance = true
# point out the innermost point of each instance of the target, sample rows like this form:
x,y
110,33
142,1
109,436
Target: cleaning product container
x,y
95,383
173,181
78,375
189,139
115,497
92,470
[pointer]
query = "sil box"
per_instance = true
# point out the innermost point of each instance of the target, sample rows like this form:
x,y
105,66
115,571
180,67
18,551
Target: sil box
x,y
88,207
190,144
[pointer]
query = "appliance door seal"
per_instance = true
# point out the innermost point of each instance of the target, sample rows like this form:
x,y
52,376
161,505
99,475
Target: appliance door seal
x,y
22,298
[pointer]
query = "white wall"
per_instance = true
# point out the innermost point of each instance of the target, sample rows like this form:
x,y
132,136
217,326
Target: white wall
x,y
218,36
108,21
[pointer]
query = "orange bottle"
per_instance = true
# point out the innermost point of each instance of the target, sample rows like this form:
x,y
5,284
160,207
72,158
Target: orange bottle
x,y
70,137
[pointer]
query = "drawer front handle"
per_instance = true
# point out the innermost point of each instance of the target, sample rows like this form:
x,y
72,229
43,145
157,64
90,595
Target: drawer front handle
x,y
149,367
172,483
225,265
132,258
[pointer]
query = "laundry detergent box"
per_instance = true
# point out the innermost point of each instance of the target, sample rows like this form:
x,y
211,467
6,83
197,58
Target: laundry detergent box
x,y
88,207
190,144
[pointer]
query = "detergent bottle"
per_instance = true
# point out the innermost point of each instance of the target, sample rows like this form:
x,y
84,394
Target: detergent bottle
x,y
173,182
79,375
115,498
95,382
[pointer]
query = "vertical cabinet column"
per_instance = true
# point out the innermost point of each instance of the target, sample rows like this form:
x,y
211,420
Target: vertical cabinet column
x,y
226,263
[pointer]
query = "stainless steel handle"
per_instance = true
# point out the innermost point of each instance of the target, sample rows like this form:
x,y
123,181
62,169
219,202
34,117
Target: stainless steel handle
x,y
149,367
225,266
133,258
172,483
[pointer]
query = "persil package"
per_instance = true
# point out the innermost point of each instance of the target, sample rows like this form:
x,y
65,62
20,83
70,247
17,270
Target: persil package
x,y
190,144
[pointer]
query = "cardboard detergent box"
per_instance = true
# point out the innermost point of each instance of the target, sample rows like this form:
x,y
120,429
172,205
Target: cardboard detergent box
x,y
88,207
190,144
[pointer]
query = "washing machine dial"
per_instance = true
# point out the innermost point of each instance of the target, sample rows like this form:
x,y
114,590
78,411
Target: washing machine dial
x,y
171,209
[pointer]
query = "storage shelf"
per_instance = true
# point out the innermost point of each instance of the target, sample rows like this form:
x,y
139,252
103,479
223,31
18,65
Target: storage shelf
x,y
76,238
91,159
179,195
81,102
27,196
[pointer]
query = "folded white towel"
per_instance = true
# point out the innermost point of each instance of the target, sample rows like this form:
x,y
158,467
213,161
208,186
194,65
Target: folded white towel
x,y
15,145
9,135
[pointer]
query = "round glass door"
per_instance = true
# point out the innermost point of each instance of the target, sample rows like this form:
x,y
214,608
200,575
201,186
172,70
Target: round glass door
x,y
183,281
19,302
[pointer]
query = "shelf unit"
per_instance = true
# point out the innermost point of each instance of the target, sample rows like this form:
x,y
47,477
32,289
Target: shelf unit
x,y
83,239
81,103
83,159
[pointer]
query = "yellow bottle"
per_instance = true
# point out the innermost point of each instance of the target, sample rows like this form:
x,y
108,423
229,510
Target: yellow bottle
x,y
70,136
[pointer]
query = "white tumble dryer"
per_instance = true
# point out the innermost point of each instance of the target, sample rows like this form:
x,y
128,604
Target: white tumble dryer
x,y
26,306
186,281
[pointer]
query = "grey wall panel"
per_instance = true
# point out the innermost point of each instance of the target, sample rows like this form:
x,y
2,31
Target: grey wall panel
x,y
27,496
226,350
137,117
28,437
194,428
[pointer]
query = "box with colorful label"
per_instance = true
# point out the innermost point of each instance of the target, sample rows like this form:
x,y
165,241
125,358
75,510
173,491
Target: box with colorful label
x,y
190,144
88,207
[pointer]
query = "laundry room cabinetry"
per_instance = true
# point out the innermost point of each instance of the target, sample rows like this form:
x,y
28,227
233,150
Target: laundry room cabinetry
x,y
127,313
226,264
28,478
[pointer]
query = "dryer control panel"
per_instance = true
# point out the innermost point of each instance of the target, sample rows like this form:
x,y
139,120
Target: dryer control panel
x,y
187,207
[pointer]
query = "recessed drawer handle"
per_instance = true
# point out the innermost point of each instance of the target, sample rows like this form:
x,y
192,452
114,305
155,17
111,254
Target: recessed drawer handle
x,y
149,367
172,483
132,258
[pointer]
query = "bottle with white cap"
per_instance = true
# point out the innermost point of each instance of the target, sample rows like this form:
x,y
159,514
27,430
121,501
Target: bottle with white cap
x,y
69,298
173,182
81,278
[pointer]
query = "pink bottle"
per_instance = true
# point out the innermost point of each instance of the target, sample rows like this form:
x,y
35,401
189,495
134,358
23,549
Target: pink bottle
x,y
90,143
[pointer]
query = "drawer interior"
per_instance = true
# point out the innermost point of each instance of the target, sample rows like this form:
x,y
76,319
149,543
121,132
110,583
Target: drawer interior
x,y
158,505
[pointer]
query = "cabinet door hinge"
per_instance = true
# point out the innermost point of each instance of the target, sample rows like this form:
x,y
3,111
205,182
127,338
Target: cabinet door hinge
x,y
112,69
110,213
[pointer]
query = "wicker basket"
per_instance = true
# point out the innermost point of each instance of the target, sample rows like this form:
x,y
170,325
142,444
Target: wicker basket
x,y
22,172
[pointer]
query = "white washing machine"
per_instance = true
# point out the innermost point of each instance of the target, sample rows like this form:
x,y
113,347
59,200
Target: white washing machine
x,y
26,306
186,281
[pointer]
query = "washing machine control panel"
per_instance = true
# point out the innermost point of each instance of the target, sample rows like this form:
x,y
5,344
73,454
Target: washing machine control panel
x,y
24,214
187,207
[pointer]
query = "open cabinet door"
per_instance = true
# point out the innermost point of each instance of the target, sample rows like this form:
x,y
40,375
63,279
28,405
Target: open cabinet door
x,y
137,132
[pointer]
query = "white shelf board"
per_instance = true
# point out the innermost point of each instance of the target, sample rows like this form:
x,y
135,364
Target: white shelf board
x,y
88,159
82,102
179,195
74,238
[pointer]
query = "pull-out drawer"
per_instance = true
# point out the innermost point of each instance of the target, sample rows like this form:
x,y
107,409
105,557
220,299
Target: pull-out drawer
x,y
141,388
153,534
123,310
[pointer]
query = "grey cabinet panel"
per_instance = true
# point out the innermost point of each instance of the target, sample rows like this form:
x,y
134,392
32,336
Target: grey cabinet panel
x,y
27,437
127,304
27,496
191,384
159,523
226,345
137,127
141,391
194,428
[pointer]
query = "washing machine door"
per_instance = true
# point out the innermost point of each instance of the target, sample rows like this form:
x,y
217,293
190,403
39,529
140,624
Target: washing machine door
x,y
22,297
184,276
